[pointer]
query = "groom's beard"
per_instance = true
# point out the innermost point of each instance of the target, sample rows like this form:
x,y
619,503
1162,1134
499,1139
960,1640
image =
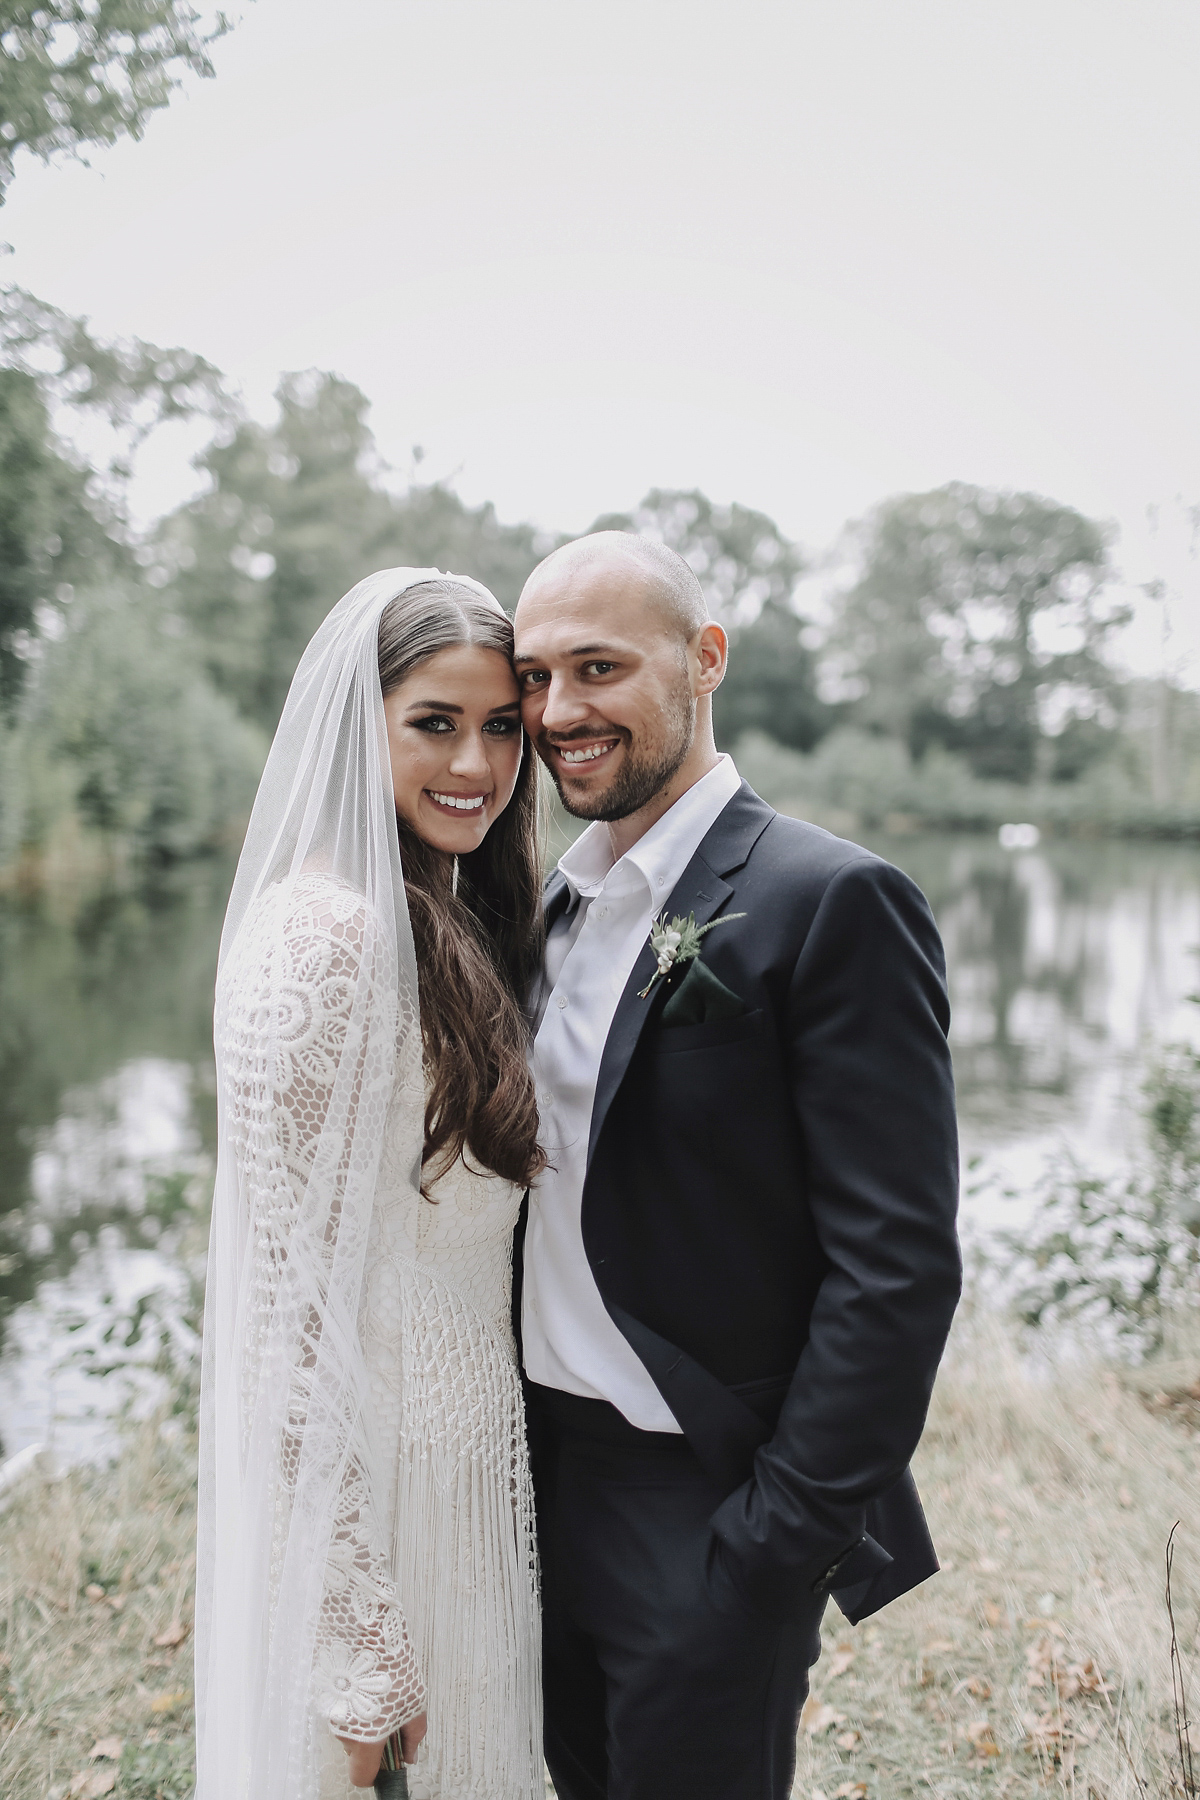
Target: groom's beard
x,y
645,770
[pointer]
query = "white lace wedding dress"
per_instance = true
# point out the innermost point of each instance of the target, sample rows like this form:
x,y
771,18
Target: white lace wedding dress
x,y
430,1585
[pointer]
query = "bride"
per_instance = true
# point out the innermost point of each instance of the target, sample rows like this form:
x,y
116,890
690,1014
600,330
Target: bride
x,y
366,1558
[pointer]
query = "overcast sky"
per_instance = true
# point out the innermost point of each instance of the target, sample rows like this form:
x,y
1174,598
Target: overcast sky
x,y
799,255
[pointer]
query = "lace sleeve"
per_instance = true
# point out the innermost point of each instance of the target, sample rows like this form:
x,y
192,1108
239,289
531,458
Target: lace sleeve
x,y
305,1091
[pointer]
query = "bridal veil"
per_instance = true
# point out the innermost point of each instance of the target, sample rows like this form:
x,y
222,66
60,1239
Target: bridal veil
x,y
317,1029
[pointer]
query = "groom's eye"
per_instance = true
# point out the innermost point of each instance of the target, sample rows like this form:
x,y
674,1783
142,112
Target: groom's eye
x,y
598,668
534,678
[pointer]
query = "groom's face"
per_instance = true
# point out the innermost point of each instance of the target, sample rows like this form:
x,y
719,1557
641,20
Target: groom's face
x,y
606,694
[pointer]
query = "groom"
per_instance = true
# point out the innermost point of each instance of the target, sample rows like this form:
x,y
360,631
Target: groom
x,y
740,1268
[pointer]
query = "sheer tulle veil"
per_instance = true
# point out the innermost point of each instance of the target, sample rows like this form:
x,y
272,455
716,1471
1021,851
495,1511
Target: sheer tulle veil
x,y
287,1418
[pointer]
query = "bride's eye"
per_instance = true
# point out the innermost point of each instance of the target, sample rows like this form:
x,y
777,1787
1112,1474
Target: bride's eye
x,y
435,723
502,728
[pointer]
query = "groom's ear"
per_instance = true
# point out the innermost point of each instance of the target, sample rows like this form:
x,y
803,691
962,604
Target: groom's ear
x,y
708,654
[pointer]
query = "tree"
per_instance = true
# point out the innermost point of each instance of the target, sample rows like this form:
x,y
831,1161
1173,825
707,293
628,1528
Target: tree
x,y
79,72
434,529
295,513
124,731
979,620
749,572
62,522
52,531
130,385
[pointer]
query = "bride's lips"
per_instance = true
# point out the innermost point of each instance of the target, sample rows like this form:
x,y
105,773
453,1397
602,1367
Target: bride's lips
x,y
456,806
577,757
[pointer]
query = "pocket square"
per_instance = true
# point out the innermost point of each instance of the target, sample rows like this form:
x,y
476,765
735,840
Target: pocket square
x,y
700,999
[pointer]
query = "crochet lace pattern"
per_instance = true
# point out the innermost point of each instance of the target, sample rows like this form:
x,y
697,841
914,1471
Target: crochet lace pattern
x,y
429,1592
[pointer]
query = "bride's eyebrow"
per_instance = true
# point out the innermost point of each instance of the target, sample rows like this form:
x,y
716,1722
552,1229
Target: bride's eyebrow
x,y
448,706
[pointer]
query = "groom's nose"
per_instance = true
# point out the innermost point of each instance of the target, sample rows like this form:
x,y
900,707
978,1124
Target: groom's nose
x,y
566,705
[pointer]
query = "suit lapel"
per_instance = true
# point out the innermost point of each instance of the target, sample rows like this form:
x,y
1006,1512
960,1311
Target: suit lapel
x,y
701,890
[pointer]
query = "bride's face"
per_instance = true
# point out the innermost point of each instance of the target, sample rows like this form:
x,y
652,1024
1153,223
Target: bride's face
x,y
454,737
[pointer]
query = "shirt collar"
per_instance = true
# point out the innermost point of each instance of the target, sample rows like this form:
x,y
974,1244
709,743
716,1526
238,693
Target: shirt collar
x,y
659,858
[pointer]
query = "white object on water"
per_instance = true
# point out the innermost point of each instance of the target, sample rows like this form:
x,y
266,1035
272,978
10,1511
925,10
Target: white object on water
x,y
1019,837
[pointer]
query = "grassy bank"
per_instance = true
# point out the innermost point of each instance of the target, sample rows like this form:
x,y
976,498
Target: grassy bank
x,y
1016,1672
96,1575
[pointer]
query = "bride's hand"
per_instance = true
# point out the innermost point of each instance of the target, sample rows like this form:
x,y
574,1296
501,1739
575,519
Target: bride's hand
x,y
366,1758
364,1761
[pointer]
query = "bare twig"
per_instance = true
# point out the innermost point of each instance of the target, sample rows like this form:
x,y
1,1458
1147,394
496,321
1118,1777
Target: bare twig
x,y
1183,1734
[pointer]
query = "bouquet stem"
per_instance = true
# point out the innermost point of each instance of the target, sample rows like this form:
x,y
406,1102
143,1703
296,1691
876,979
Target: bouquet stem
x,y
391,1783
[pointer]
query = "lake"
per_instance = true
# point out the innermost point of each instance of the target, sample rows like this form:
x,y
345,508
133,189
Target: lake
x,y
1068,962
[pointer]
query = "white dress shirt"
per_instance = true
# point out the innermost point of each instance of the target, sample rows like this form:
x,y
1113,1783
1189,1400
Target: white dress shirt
x,y
570,1341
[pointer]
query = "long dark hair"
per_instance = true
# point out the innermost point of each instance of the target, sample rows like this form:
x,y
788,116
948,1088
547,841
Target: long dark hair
x,y
478,940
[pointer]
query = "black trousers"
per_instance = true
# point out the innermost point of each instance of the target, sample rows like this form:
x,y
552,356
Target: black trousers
x,y
662,1681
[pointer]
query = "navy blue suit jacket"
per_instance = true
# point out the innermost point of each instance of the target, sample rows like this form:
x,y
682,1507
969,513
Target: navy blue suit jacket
x,y
769,1206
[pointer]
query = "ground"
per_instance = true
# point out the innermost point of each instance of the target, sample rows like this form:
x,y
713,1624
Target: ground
x,y
1036,1663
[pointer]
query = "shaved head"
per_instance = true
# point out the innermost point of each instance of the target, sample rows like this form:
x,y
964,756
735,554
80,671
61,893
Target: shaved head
x,y
671,585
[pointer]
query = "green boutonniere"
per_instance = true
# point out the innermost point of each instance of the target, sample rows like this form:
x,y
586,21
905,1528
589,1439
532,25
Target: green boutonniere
x,y
679,942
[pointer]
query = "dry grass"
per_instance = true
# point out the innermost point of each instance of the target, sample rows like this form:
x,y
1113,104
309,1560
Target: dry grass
x,y
1044,1642
1008,1675
93,1570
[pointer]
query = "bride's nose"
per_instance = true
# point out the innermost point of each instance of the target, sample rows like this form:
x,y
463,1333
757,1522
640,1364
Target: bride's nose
x,y
469,760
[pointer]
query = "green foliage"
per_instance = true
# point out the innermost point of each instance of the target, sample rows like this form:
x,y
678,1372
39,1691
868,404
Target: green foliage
x,y
79,72
294,515
857,780
741,556
979,621
1121,1252
50,529
125,731
749,572
132,385
431,528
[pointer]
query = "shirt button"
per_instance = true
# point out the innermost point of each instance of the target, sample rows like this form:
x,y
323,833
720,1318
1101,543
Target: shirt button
x,y
562,1000
546,1099
662,881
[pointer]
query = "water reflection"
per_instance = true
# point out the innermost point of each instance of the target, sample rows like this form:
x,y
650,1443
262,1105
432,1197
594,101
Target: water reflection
x,y
1065,962
106,1098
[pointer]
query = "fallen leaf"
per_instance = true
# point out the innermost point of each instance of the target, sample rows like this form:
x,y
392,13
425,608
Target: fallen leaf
x,y
987,1565
172,1636
842,1660
1124,1497
167,1702
851,1790
938,1647
93,1591
1048,1734
89,1784
818,1717
992,1613
109,1746
847,1740
981,1738
116,1601
981,1689
1081,1678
